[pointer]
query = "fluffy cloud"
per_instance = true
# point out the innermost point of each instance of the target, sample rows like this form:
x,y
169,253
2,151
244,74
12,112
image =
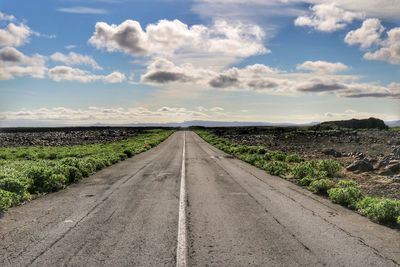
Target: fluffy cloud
x,y
174,37
390,48
258,78
327,18
367,35
162,71
72,59
13,64
319,85
322,66
388,9
66,73
358,90
6,17
15,35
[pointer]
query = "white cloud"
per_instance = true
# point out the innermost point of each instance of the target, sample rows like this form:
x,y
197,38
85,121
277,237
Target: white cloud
x,y
390,48
385,9
111,115
327,18
15,35
66,73
216,109
115,77
6,17
13,64
258,78
163,71
82,10
367,35
322,66
72,59
167,37
69,47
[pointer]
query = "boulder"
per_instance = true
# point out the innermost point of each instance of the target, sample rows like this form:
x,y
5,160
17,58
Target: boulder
x,y
332,152
392,168
360,166
396,152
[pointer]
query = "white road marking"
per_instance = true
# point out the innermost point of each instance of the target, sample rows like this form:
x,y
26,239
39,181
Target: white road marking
x,y
182,250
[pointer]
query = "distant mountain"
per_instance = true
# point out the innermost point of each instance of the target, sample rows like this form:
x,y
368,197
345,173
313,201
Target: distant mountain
x,y
212,124
393,123
36,123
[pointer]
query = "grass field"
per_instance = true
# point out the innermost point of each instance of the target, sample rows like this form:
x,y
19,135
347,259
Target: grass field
x,y
324,177
27,171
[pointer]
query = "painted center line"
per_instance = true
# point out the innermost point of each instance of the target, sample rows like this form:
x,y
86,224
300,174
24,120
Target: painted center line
x,y
182,250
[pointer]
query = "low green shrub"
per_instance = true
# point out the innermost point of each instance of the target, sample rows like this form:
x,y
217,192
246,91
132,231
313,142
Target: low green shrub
x,y
306,181
17,186
347,183
294,158
321,186
278,155
129,152
382,210
346,196
6,200
278,168
303,169
45,180
329,166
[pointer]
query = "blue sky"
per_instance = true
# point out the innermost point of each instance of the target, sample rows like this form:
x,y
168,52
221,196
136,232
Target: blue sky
x,y
116,61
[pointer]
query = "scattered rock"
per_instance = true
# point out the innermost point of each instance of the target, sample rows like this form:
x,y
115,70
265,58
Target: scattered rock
x,y
64,136
332,152
393,167
396,178
396,152
360,166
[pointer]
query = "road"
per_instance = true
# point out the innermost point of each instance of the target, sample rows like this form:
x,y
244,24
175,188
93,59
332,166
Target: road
x,y
185,202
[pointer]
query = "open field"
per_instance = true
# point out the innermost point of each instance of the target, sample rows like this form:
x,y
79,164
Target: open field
x,y
33,170
319,164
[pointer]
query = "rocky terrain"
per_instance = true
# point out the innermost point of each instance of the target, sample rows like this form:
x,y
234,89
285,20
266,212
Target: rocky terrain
x,y
370,156
11,137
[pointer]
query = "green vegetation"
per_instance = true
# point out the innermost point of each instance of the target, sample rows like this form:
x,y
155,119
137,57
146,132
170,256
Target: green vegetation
x,y
319,176
321,186
36,170
347,196
380,209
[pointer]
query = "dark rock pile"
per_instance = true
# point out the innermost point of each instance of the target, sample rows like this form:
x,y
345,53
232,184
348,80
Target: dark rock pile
x,y
371,123
64,136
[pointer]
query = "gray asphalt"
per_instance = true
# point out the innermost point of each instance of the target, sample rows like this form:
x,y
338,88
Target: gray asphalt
x,y
237,215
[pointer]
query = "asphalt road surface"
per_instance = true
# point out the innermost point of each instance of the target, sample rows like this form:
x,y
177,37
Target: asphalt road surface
x,y
186,203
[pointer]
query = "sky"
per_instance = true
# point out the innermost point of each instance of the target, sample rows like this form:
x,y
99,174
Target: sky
x,y
81,62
